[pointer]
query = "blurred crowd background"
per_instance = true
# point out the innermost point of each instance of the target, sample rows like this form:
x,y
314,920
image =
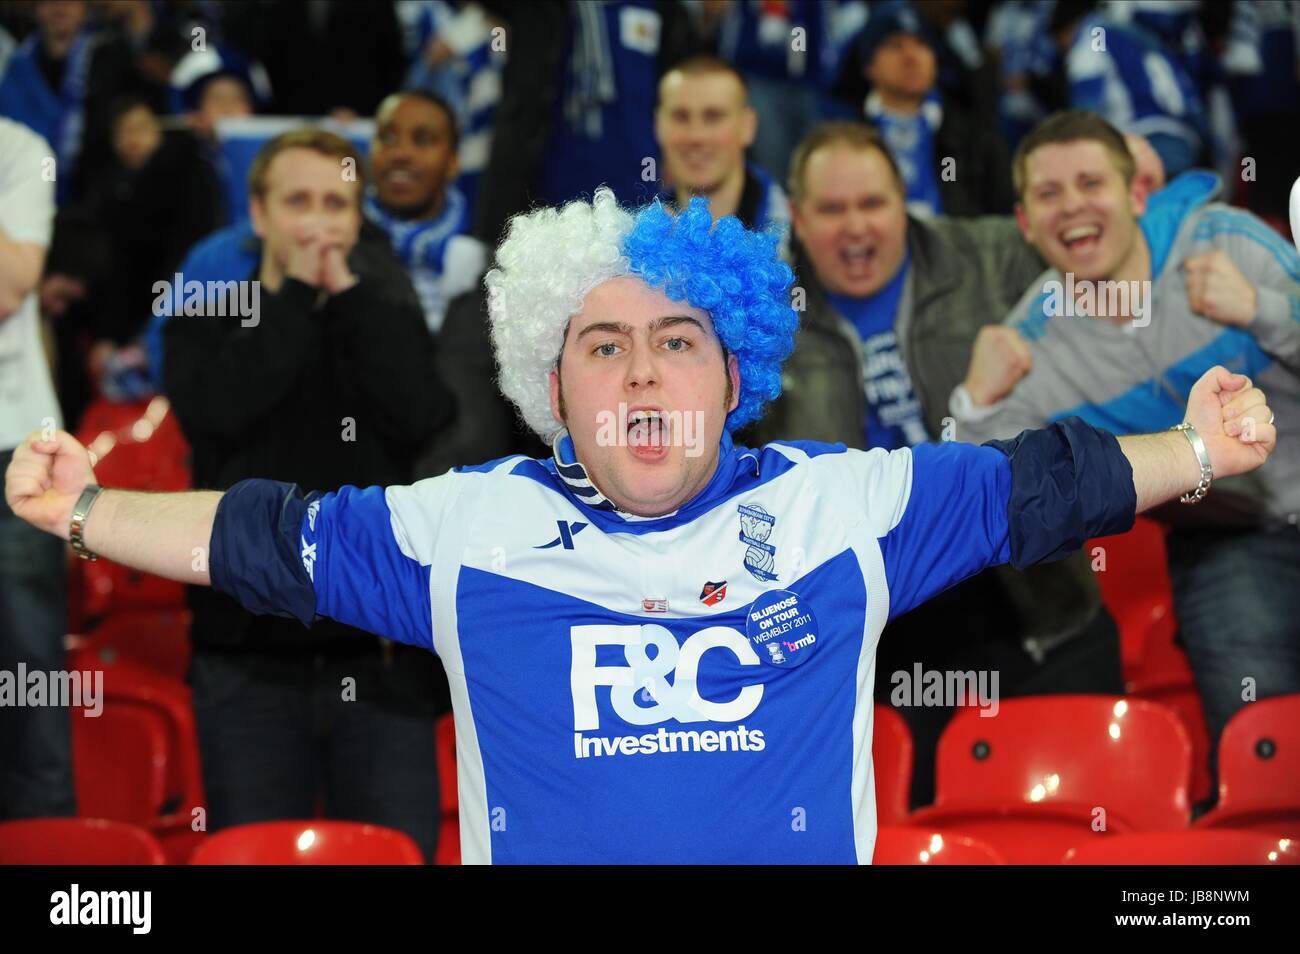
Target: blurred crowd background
x,y
142,101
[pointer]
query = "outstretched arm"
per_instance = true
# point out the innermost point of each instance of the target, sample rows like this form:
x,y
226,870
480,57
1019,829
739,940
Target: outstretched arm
x,y
164,534
1041,496
357,556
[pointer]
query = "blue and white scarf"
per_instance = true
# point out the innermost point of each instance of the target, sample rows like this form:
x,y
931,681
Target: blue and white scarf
x,y
59,116
911,141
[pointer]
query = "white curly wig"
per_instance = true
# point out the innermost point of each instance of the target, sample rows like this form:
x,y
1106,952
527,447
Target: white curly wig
x,y
548,262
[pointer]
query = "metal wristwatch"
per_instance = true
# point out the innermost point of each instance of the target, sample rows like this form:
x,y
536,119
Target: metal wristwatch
x,y
79,514
1202,455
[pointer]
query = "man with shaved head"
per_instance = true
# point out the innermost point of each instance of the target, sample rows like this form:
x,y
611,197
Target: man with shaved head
x,y
704,123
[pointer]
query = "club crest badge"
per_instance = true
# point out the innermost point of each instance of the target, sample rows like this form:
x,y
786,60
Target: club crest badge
x,y
760,556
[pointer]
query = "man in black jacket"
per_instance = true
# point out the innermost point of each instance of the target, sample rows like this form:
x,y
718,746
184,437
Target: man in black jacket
x,y
320,372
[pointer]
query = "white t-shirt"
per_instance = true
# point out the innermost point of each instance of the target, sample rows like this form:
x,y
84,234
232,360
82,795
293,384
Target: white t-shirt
x,y
27,401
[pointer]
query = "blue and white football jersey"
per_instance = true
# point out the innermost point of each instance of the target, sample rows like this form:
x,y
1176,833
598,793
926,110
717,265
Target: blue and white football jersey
x,y
692,688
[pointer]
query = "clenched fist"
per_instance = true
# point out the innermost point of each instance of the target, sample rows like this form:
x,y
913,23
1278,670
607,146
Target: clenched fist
x,y
1001,357
1217,289
45,478
1234,421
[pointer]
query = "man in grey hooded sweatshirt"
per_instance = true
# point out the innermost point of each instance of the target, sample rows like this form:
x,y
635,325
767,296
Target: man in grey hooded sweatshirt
x,y
1141,297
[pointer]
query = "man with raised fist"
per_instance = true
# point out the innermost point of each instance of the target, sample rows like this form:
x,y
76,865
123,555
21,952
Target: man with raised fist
x,y
610,705
1143,293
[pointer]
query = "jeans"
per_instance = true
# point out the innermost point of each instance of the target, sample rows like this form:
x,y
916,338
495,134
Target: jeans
x,y
278,738
1237,598
35,743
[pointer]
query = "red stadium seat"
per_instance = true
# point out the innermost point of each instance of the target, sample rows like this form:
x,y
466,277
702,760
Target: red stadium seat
x,y
1031,779
128,684
1259,769
1128,756
307,843
1136,589
444,735
1023,834
76,841
159,640
1188,848
891,757
925,846
106,587
1184,701
119,761
105,415
1279,821
448,851
137,446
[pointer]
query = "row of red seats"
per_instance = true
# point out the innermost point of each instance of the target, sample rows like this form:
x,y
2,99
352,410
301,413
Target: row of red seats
x,y
923,846
1050,774
93,841
1032,780
80,841
138,762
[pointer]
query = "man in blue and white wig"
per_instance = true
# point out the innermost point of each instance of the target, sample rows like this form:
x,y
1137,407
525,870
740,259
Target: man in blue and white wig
x,y
668,326
660,646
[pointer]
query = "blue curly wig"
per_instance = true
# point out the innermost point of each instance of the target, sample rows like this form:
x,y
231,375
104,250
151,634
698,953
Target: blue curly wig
x,y
733,274
551,259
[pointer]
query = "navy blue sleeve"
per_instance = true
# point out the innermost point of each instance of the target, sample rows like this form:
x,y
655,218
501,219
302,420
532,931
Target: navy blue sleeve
x,y
1069,482
255,549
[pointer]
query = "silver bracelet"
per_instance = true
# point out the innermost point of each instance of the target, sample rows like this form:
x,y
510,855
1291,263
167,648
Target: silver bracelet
x,y
79,514
1203,456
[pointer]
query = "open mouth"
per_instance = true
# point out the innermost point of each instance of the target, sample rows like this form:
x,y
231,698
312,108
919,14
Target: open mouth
x,y
858,259
1081,238
649,433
